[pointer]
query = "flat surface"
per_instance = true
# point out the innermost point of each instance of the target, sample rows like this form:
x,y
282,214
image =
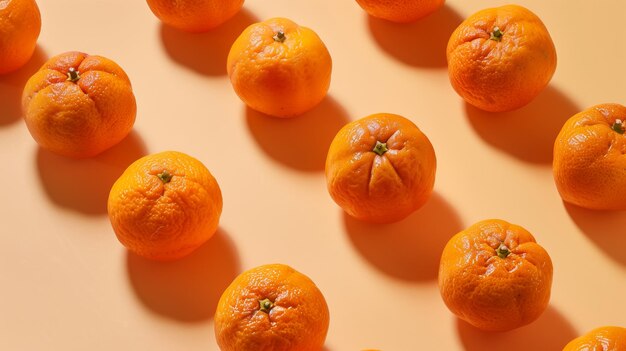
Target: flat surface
x,y
67,284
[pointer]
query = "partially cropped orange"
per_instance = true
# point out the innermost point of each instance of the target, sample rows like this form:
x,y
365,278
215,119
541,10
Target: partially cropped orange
x,y
380,168
271,308
279,68
401,11
165,205
607,338
589,162
20,24
79,105
495,276
500,59
194,15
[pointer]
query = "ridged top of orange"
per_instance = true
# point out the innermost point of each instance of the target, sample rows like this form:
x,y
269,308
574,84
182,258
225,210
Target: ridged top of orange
x,y
271,308
495,276
79,105
589,163
608,338
380,187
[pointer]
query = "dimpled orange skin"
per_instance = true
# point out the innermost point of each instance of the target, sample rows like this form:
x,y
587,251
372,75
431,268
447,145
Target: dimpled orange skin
x,y
194,15
297,320
600,339
490,292
160,218
503,74
279,76
380,188
589,159
79,118
20,24
401,11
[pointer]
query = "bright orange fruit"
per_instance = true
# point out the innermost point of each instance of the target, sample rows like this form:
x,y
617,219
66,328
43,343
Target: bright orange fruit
x,y
20,24
500,59
194,15
279,68
401,11
79,105
588,161
600,339
165,205
271,308
380,168
494,276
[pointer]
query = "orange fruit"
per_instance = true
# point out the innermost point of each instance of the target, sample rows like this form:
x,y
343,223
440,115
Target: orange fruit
x,y
589,166
401,11
194,15
271,308
165,205
79,105
20,24
494,276
279,68
600,339
380,168
500,59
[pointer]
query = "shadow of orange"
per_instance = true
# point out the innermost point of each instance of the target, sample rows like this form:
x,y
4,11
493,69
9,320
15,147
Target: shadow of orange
x,y
83,185
188,289
409,249
205,53
551,331
605,228
12,85
422,43
301,142
529,132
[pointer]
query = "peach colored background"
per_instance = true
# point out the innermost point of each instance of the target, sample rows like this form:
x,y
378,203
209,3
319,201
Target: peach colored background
x,y
67,284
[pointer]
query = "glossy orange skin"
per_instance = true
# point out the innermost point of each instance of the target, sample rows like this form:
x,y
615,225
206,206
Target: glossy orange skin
x,y
165,220
380,188
298,320
400,11
589,162
503,75
20,24
490,292
194,15
281,79
600,339
83,118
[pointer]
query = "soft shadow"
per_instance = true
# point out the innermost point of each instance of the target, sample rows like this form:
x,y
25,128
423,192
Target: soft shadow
x,y
188,289
83,185
409,249
551,331
205,53
529,132
12,86
300,142
605,228
422,43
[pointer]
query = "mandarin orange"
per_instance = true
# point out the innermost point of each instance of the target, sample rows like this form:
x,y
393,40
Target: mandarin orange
x,y
271,308
79,105
589,165
279,68
380,168
500,59
20,24
165,205
495,276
